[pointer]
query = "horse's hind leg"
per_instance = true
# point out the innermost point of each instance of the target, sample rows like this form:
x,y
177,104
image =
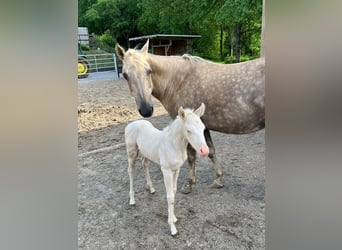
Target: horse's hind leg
x,y
212,156
149,185
187,187
132,153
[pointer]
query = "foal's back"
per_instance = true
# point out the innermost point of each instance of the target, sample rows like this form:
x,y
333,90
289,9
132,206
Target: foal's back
x,y
145,136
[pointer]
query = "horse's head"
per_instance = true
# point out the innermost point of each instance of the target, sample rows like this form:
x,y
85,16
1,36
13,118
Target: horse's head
x,y
137,72
194,129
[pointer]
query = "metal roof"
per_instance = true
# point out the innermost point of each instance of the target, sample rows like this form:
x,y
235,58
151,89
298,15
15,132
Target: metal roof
x,y
164,36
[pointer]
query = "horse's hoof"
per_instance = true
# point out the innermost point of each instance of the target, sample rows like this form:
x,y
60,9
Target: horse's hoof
x,y
151,190
132,206
216,184
186,189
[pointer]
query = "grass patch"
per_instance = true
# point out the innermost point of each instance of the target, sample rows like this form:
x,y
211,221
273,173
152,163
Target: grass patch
x,y
95,51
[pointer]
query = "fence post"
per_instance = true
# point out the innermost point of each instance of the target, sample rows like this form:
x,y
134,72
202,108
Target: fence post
x,y
115,65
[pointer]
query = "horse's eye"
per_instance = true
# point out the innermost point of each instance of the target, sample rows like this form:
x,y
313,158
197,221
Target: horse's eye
x,y
125,75
188,131
148,72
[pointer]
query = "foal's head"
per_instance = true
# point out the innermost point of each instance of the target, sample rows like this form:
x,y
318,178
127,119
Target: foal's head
x,y
137,72
194,129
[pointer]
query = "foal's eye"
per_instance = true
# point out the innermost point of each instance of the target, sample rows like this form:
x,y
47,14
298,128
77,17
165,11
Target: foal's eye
x,y
188,131
125,75
148,72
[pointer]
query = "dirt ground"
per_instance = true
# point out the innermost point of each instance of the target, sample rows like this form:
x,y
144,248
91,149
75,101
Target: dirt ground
x,y
232,217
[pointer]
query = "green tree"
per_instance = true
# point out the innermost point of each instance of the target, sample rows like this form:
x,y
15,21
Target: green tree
x,y
203,22
243,19
126,22
226,26
119,17
83,6
101,15
164,16
181,17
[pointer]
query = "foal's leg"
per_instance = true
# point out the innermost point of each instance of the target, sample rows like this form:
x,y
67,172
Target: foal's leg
x,y
132,152
212,156
168,181
175,178
149,185
187,187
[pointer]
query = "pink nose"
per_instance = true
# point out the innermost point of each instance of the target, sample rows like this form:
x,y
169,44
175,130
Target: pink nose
x,y
204,150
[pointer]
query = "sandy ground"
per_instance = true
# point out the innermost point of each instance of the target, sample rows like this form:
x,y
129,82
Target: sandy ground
x,y
229,218
107,102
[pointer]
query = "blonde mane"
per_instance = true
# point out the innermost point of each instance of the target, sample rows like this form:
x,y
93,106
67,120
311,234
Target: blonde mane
x,y
192,58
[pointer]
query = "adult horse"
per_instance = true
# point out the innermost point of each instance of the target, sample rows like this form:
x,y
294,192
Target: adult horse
x,y
234,94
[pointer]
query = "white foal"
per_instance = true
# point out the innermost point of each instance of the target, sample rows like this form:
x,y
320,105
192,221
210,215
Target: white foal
x,y
167,148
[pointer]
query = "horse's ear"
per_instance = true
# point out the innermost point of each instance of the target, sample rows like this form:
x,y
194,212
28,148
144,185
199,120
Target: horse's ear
x,y
181,112
144,49
120,52
200,110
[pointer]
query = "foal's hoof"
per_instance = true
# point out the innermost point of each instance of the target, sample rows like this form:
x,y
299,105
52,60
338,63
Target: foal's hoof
x,y
175,235
217,184
175,220
186,189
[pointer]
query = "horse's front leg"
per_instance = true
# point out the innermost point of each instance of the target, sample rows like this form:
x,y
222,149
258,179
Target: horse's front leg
x,y
187,187
212,156
168,181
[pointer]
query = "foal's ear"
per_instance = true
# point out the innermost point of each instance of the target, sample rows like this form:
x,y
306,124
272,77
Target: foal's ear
x,y
144,49
120,52
181,112
200,110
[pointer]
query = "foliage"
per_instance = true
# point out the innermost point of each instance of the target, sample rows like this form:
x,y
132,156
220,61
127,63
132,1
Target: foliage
x,y
96,51
84,47
119,17
242,20
103,42
226,26
107,38
164,16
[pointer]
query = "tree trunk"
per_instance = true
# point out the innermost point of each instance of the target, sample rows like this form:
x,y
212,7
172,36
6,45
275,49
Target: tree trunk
x,y
221,42
238,41
231,45
231,53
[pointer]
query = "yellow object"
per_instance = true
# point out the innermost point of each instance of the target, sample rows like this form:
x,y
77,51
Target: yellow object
x,y
82,67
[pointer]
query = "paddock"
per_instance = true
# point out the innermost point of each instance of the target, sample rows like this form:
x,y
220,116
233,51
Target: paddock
x,y
232,217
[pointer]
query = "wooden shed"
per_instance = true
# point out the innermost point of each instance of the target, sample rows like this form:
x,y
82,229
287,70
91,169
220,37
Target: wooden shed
x,y
167,45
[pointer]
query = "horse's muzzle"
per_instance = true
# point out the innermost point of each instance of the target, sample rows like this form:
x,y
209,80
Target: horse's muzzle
x,y
145,110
